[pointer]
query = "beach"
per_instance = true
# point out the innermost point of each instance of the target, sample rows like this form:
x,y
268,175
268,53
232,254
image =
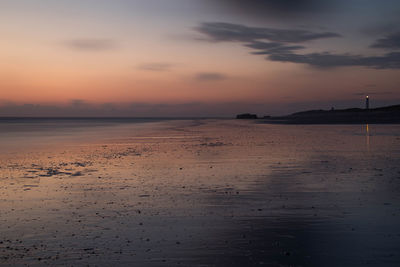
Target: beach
x,y
198,192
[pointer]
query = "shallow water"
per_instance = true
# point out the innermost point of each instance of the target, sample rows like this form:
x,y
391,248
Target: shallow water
x,y
199,193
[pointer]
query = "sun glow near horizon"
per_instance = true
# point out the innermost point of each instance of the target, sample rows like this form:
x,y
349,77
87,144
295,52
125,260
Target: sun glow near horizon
x,y
121,52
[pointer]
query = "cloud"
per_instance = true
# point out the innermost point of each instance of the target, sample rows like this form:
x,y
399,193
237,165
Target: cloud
x,y
220,31
281,44
89,44
155,66
272,48
328,60
391,41
210,76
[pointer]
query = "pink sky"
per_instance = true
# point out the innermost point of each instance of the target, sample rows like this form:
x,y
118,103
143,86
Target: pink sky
x,y
126,52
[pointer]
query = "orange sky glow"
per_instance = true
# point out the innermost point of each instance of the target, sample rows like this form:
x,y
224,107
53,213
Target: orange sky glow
x,y
58,53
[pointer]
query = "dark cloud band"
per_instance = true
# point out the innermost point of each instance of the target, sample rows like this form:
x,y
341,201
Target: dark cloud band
x,y
281,44
220,31
327,60
391,41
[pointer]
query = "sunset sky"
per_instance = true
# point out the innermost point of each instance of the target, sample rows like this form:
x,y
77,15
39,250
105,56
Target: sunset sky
x,y
196,57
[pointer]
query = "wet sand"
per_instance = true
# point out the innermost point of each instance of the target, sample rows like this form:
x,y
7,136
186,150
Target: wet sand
x,y
200,193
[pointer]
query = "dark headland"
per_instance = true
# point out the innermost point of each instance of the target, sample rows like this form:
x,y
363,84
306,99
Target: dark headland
x,y
389,114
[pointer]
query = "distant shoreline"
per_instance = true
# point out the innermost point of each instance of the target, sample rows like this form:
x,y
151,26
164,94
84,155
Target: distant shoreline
x,y
381,115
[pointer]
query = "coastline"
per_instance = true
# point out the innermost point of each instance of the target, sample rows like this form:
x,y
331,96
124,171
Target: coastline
x,y
383,115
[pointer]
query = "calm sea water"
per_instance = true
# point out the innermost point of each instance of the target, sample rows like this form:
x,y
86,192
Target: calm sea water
x,y
29,125
17,132
198,193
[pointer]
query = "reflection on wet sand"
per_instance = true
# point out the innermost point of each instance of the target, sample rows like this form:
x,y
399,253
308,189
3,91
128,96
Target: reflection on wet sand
x,y
202,193
367,135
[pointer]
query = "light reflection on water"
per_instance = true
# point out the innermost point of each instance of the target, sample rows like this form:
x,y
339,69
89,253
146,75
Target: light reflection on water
x,y
216,193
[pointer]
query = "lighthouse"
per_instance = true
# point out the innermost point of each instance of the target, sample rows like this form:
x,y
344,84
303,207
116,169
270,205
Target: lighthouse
x,y
367,102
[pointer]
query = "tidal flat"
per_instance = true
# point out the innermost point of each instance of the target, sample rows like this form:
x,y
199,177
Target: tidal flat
x,y
198,193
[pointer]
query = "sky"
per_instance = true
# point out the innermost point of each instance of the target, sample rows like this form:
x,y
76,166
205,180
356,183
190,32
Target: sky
x,y
189,58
